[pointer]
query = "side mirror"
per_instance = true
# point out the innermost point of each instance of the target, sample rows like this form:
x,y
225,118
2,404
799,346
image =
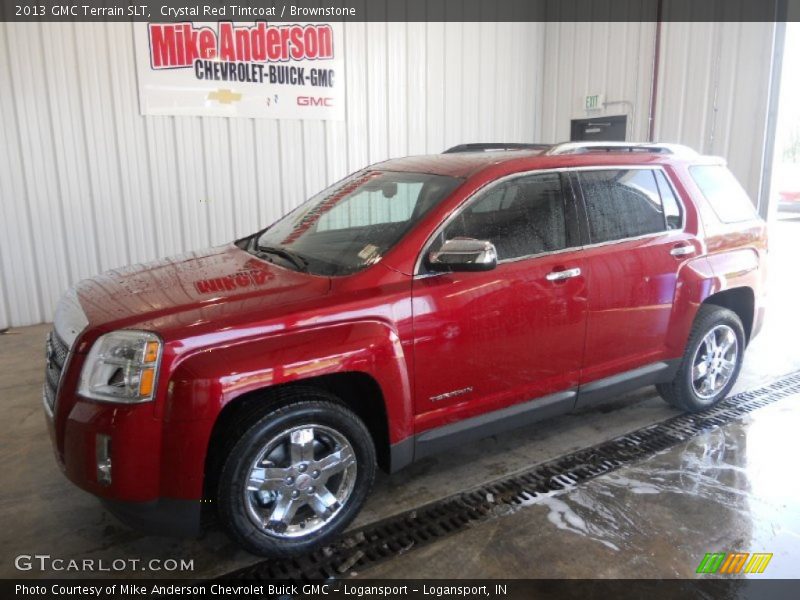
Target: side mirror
x,y
464,254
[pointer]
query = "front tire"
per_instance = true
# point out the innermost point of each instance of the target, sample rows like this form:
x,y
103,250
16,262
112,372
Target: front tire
x,y
711,363
297,475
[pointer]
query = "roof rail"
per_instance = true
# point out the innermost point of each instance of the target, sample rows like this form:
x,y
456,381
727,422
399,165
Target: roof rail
x,y
584,147
489,147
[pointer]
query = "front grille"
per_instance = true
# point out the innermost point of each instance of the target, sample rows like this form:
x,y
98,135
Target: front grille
x,y
57,353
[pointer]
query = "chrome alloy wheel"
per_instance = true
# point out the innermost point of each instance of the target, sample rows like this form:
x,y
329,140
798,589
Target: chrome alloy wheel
x,y
300,481
714,361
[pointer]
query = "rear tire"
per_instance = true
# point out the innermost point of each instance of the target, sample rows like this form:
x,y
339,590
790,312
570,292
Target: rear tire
x,y
297,475
711,363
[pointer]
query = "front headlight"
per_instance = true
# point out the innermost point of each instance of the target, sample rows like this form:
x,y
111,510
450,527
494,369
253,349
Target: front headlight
x,y
122,367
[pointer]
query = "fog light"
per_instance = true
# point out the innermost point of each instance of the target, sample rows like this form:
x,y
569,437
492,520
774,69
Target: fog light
x,y
102,448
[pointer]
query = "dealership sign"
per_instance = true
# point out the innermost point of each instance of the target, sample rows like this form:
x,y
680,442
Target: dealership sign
x,y
229,69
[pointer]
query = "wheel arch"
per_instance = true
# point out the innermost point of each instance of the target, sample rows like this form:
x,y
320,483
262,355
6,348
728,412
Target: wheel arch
x,y
358,391
354,360
698,284
739,300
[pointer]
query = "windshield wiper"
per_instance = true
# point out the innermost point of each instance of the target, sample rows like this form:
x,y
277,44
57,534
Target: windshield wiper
x,y
298,261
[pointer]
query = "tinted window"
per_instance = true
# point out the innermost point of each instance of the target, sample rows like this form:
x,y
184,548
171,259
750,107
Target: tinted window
x,y
723,192
353,223
621,204
672,210
521,217
373,207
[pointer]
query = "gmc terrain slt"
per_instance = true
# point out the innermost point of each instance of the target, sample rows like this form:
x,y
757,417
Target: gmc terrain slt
x,y
419,303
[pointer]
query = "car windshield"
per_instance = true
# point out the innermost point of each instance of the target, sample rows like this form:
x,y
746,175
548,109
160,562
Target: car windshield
x,y
353,223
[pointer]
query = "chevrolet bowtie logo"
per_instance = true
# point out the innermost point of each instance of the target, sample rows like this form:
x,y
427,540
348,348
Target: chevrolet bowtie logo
x,y
225,96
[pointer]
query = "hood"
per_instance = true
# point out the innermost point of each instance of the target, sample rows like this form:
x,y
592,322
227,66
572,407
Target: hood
x,y
209,286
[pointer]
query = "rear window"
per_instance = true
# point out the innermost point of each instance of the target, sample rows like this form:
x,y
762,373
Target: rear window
x,y
725,195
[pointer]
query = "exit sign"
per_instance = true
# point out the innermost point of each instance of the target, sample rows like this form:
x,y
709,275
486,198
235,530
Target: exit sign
x,y
594,102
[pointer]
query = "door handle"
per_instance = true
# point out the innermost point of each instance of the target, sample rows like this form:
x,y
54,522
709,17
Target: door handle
x,y
562,275
683,250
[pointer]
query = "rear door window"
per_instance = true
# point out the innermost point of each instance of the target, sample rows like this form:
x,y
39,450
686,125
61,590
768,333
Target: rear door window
x,y
622,203
725,195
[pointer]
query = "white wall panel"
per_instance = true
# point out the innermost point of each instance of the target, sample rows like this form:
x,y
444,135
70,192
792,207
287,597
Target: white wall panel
x,y
712,90
88,184
434,85
377,91
397,99
20,286
723,73
417,105
471,81
614,59
36,156
453,79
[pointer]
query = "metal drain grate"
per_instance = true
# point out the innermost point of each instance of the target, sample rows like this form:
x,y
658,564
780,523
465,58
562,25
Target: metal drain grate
x,y
393,536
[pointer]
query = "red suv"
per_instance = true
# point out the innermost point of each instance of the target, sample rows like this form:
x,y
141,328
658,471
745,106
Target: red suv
x,y
419,303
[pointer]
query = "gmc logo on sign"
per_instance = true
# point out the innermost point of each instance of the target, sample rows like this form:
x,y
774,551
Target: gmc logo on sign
x,y
314,101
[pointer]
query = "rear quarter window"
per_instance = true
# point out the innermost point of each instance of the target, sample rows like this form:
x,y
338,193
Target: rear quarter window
x,y
726,196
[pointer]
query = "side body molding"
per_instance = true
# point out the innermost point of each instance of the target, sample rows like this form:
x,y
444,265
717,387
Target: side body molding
x,y
435,440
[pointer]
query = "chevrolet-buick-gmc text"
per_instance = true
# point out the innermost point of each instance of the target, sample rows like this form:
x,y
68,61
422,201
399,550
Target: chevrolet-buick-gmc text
x,y
419,303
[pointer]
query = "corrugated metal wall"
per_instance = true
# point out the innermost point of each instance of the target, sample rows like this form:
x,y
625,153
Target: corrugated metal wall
x,y
712,90
615,59
87,184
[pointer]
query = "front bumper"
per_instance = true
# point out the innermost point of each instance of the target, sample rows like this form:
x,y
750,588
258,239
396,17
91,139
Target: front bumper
x,y
163,516
134,494
135,440
150,487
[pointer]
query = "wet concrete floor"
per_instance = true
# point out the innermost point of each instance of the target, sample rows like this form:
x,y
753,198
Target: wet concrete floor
x,y
651,520
729,490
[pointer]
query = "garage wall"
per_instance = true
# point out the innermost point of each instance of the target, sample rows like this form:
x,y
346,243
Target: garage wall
x,y
615,59
87,184
712,90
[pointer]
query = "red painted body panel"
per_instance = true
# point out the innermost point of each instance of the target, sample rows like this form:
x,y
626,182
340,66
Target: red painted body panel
x,y
232,324
205,382
633,287
508,334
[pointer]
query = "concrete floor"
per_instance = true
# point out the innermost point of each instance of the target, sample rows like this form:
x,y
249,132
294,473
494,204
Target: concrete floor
x,y
724,491
721,491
